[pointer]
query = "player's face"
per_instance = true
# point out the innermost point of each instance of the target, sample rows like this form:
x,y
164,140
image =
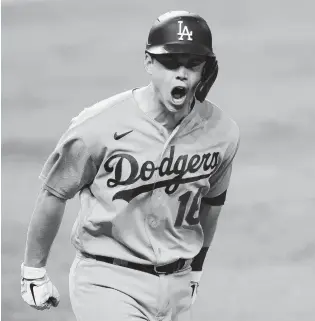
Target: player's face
x,y
175,78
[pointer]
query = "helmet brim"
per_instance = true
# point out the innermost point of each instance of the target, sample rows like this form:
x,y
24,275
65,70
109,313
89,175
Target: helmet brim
x,y
180,48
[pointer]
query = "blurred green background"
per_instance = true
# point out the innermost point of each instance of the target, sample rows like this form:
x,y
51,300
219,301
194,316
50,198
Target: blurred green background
x,y
61,56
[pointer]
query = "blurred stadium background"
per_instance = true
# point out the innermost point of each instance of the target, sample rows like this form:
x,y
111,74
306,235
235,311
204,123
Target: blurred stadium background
x,y
61,56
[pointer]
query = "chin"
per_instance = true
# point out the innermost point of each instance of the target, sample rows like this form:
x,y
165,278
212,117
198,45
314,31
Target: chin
x,y
173,107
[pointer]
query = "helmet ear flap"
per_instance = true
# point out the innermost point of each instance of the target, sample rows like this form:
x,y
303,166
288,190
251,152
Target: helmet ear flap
x,y
209,75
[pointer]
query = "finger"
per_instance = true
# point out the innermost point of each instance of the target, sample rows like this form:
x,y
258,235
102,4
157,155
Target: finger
x,y
53,301
55,297
42,307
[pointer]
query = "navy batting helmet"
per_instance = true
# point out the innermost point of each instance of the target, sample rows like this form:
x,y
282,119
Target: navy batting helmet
x,y
182,32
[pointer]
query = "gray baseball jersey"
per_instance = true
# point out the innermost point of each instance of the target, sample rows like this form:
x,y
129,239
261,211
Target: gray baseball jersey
x,y
140,188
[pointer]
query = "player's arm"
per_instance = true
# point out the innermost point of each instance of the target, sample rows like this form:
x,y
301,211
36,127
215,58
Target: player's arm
x,y
211,205
36,288
68,169
209,212
209,215
43,228
210,208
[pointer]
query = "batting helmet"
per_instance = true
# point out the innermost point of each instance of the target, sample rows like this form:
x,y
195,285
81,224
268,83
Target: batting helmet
x,y
180,32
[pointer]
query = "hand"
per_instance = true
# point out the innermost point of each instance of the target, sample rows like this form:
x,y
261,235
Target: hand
x,y
194,283
37,290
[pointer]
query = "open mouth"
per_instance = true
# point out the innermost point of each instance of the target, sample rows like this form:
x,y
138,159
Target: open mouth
x,y
179,94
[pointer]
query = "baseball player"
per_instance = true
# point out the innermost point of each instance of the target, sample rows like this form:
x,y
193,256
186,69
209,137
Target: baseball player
x,y
152,167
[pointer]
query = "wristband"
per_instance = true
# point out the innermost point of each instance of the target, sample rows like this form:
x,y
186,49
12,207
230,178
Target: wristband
x,y
196,276
198,260
32,273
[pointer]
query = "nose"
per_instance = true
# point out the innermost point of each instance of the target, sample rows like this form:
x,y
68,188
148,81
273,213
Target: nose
x,y
181,73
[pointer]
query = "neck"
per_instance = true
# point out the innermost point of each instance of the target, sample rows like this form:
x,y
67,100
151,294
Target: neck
x,y
151,104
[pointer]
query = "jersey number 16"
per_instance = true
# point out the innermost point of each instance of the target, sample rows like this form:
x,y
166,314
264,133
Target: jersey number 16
x,y
192,217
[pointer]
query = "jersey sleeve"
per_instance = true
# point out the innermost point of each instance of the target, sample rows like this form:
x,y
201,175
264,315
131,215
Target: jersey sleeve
x,y
217,194
220,181
69,168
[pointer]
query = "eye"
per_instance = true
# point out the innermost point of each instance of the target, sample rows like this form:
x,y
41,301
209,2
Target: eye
x,y
195,62
168,61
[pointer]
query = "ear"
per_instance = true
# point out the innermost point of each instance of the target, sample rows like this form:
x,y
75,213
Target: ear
x,y
148,63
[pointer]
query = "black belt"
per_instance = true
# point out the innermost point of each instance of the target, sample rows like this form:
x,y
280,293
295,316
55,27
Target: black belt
x,y
152,269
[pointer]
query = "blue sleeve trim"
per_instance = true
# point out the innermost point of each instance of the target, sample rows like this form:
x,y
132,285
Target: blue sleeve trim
x,y
215,201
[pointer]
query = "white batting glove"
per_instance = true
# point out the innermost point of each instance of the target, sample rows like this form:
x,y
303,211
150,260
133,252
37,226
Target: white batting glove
x,y
194,283
36,288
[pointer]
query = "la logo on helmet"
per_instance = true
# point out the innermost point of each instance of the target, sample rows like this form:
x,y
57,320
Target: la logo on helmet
x,y
184,32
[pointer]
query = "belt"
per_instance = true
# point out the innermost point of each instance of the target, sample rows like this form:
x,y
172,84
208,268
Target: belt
x,y
152,269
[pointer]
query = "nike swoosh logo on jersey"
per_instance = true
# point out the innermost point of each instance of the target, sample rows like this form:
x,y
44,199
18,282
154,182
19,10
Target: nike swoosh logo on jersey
x,y
32,285
117,137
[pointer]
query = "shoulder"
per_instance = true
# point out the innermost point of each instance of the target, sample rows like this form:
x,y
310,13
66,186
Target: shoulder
x,y
93,124
93,113
221,122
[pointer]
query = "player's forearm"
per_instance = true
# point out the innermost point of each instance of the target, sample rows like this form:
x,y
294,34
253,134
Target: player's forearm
x,y
43,228
208,219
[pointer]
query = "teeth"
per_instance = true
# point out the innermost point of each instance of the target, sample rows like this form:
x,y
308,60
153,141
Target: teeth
x,y
179,95
178,92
